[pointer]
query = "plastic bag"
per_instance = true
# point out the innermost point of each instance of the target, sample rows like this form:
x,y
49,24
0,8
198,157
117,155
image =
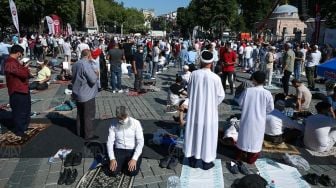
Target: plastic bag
x,y
296,161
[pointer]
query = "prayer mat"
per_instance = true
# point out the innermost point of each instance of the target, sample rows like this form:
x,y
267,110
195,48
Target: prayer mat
x,y
10,139
100,177
268,147
198,178
283,175
331,152
2,86
134,94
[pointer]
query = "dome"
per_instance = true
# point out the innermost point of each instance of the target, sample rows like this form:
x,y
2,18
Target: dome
x,y
285,9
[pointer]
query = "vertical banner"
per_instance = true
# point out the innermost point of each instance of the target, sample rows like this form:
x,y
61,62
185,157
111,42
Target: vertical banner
x,y
50,23
57,24
69,29
14,15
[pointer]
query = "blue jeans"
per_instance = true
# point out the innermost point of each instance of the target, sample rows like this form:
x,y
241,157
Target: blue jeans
x,y
116,78
297,70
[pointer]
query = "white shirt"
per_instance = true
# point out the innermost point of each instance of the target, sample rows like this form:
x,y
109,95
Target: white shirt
x,y
125,138
241,50
313,59
67,48
276,122
60,41
316,134
81,47
156,52
248,52
186,77
44,41
215,55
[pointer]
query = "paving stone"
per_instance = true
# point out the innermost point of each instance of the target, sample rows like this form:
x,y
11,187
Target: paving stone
x,y
138,182
153,185
52,178
154,179
51,186
3,182
55,167
15,178
158,171
140,186
163,184
26,181
40,178
30,170
7,170
147,174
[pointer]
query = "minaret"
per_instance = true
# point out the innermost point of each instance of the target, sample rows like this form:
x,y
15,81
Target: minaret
x,y
89,17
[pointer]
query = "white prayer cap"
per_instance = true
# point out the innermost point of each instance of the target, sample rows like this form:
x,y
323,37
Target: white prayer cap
x,y
272,47
316,47
186,67
289,45
39,62
207,56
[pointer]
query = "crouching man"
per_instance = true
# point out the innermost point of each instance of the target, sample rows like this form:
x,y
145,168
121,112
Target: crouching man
x,y
125,143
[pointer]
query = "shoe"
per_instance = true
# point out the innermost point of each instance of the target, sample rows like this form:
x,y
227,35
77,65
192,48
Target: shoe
x,y
165,162
192,162
121,91
63,176
77,159
326,181
207,166
94,137
71,178
172,163
242,168
69,159
232,167
311,178
176,119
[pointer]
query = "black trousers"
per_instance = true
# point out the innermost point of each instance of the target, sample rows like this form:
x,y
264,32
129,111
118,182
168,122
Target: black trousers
x,y
86,112
123,156
138,80
36,85
21,110
285,81
229,76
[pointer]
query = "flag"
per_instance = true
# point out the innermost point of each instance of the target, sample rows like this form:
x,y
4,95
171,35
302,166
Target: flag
x,y
69,29
50,23
14,15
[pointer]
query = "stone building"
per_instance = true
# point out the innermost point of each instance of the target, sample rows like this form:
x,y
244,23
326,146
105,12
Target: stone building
x,y
284,23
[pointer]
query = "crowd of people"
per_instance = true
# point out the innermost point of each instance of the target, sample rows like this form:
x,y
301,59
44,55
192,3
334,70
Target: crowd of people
x,y
206,70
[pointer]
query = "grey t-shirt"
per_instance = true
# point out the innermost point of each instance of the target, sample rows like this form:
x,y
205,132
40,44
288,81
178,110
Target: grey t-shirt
x,y
116,56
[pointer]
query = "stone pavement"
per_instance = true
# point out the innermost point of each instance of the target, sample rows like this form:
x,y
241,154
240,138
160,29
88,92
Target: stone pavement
x,y
36,172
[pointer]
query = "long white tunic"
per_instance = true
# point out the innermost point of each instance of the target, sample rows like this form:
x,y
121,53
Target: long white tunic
x,y
256,103
205,92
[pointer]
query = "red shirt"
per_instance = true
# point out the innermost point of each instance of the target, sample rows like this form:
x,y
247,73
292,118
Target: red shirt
x,y
230,59
17,76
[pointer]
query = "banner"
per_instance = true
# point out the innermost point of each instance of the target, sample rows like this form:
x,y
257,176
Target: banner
x,y
57,24
14,15
50,23
69,29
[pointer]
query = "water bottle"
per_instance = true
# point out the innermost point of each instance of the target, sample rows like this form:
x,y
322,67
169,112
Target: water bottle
x,y
173,182
272,184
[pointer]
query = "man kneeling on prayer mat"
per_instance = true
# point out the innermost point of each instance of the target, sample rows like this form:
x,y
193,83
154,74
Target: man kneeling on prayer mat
x,y
256,102
125,143
205,94
277,122
320,129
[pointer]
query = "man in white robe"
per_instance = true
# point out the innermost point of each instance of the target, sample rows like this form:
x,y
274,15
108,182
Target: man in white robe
x,y
205,92
256,102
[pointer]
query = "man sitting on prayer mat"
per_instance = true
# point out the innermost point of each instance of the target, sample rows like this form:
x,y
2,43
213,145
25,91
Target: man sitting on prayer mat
x,y
277,122
320,129
125,143
256,102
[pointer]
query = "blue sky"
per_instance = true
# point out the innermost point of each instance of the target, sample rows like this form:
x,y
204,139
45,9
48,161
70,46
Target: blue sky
x,y
160,6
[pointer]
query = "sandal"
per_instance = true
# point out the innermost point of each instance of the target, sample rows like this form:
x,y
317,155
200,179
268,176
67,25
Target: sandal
x,y
232,167
311,178
326,181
